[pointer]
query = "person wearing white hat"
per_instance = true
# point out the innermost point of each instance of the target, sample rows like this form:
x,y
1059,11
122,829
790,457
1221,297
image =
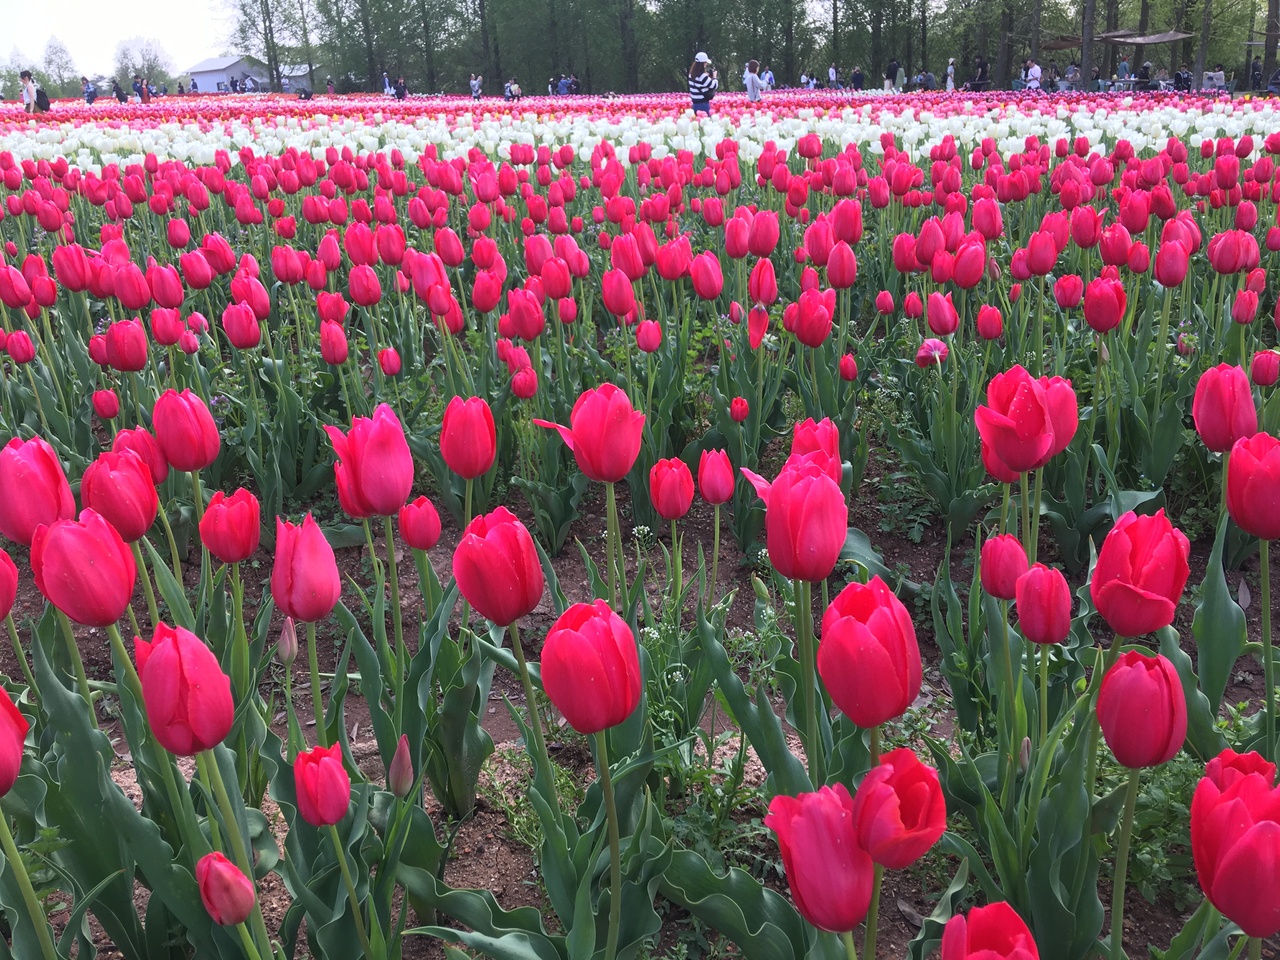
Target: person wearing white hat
x,y
703,83
951,74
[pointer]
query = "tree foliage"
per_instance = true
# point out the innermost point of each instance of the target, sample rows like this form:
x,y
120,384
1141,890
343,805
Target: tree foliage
x,y
642,45
143,57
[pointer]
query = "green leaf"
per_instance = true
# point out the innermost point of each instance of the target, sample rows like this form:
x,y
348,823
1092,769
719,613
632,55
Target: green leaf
x,y
1218,625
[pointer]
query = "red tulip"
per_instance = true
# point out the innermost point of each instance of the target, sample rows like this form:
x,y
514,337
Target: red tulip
x,y
1042,253
994,932
1264,371
829,873
1235,840
942,316
591,667
468,438
762,283
186,694
820,442
932,351
84,569
419,524
868,656
1172,262
1223,409
1068,291
1142,710
13,736
842,266
806,519
374,464
304,577
604,433
119,486
22,349
1140,573
1003,562
848,368
322,785
185,430
649,336
231,527
1104,304
8,584
333,343
241,326
144,445
1016,420
363,286
884,302
764,233
715,477
1252,489
671,488
497,568
389,361
1044,605
227,894
127,346
36,489
739,409
990,324
899,810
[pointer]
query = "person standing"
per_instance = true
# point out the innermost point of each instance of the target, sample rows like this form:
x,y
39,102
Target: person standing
x,y
890,75
402,89
89,90
767,77
833,77
1255,74
28,92
752,82
1033,74
328,83
703,83
194,88
477,84
284,84
856,78
951,75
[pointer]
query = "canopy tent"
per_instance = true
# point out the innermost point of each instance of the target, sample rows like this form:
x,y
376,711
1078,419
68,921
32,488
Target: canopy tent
x,y
1061,43
1170,36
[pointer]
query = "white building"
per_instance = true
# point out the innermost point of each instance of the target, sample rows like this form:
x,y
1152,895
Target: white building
x,y
215,74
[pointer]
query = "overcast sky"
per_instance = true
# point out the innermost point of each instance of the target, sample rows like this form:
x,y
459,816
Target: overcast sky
x,y
189,30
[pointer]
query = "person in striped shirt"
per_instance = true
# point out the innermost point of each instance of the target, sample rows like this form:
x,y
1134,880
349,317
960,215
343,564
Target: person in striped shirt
x,y
703,83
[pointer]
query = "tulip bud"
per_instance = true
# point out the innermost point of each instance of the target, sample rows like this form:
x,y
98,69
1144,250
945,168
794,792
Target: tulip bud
x,y
287,646
227,894
400,774
848,368
739,410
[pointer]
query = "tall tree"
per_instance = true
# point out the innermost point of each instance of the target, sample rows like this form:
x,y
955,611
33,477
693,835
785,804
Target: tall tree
x,y
627,39
1144,19
1272,39
142,57
366,34
60,68
1206,22
256,33
1088,19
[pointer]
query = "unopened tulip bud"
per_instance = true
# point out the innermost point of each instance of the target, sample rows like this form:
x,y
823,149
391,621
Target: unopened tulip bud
x,y
400,773
1024,755
287,648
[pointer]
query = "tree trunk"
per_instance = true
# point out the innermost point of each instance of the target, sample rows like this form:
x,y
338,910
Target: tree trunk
x,y
1109,57
269,44
1272,40
627,34
924,39
1087,25
307,49
1003,51
1144,16
486,52
553,33
366,27
1037,11
1206,21
428,46
878,58
789,40
835,32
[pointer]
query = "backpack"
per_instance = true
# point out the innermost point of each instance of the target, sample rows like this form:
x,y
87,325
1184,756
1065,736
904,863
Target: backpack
x,y
42,100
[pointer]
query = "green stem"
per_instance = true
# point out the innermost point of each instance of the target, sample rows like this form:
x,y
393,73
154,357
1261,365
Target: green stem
x,y
615,846
873,916
317,705
356,913
1044,693
246,941
804,641
34,910
239,638
1035,518
241,853
20,653
206,571
1122,866
611,523
173,545
131,678
1255,948
1268,654
153,611
402,655
1026,516
850,951
715,558
1095,682
874,747
531,703
466,503
77,664
677,583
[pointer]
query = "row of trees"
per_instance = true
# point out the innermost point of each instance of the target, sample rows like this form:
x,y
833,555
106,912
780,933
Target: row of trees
x,y
638,45
57,73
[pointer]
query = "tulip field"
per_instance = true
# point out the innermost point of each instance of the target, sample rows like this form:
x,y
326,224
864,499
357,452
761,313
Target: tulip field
x,y
572,530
